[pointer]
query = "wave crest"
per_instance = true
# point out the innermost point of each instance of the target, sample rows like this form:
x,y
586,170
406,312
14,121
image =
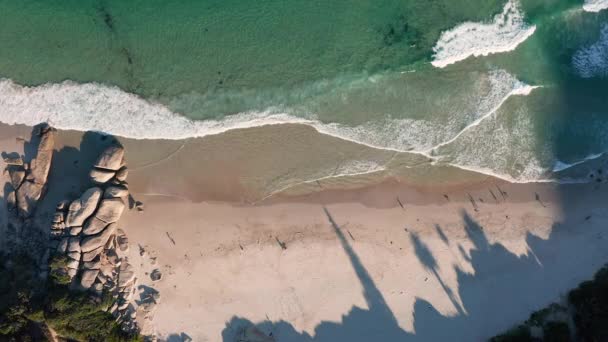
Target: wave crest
x,y
595,5
506,31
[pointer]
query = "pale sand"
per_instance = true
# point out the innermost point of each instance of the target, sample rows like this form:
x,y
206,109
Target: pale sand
x,y
426,272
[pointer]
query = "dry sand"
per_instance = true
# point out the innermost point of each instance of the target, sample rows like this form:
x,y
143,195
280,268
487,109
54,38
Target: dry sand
x,y
349,265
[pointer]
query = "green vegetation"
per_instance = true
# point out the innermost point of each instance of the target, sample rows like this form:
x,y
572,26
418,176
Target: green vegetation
x,y
587,308
590,304
30,306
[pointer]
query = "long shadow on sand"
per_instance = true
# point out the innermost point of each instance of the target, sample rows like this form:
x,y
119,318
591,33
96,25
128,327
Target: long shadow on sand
x,y
485,294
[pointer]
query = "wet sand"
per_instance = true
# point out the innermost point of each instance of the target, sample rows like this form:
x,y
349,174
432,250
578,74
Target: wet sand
x,y
388,257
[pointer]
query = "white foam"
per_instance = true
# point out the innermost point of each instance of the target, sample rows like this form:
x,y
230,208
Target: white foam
x,y
595,5
560,166
72,106
592,61
91,106
506,31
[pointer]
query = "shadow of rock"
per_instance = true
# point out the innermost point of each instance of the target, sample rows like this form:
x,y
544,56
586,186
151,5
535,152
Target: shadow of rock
x,y
183,337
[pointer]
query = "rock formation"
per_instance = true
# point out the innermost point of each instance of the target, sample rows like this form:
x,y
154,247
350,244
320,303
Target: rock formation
x,y
85,231
29,181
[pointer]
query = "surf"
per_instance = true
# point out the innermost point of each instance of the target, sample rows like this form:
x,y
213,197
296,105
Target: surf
x,y
504,33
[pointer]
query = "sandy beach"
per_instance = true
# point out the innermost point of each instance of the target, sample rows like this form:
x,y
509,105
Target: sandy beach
x,y
385,258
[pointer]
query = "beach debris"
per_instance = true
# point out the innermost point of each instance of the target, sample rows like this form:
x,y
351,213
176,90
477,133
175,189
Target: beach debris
x,y
142,251
400,204
282,244
156,275
493,196
170,238
502,193
472,200
447,198
351,235
537,197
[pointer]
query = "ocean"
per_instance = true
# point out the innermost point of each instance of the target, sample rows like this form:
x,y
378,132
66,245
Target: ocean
x,y
515,89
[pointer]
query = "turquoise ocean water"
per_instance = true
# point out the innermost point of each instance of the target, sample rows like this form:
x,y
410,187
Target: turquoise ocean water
x,y
514,88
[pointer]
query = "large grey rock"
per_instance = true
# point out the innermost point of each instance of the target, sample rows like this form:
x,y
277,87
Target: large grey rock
x,y
111,158
83,207
89,256
93,225
18,161
101,176
40,166
156,275
74,245
11,201
63,245
110,210
123,241
74,255
92,265
74,231
72,272
27,196
72,263
58,217
92,242
106,270
122,174
116,191
88,278
17,176
126,275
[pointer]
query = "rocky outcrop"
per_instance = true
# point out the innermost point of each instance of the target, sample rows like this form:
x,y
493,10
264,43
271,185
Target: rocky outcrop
x,y
110,161
89,250
83,207
28,181
86,232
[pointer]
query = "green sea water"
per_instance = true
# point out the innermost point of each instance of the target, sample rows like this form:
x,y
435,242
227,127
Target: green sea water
x,y
358,69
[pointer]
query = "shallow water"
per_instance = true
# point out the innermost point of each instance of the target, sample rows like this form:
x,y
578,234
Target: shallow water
x,y
515,89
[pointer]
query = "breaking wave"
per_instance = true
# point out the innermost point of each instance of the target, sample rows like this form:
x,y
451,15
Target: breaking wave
x,y
506,31
83,107
595,5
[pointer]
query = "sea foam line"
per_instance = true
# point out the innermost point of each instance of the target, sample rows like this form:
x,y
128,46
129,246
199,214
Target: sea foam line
x,y
520,89
595,5
84,107
96,107
506,31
